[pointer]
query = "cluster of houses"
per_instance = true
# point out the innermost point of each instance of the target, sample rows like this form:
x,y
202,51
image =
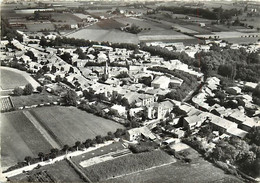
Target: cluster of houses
x,y
85,75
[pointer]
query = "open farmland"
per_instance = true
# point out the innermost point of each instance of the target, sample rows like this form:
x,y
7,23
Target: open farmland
x,y
199,170
109,24
58,172
70,124
19,139
112,35
11,78
65,17
127,164
38,26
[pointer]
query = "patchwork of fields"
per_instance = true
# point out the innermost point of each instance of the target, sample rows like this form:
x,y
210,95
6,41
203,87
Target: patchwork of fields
x,y
108,30
70,124
127,164
113,35
199,170
19,138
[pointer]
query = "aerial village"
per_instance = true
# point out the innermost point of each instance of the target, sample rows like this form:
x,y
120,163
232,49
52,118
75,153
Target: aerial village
x,y
160,103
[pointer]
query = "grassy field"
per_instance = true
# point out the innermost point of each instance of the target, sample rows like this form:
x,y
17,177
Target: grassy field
x,y
19,139
59,172
11,79
34,99
70,124
198,170
127,164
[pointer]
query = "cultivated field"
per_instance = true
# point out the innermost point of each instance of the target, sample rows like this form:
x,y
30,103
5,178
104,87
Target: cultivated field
x,y
19,139
112,35
65,17
199,170
58,172
70,124
109,24
5,104
127,164
38,26
11,78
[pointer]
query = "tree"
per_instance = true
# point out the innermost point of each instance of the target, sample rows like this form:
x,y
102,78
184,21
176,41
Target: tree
x,y
88,143
66,57
39,88
77,144
254,135
256,91
58,78
65,148
70,98
99,139
41,155
54,153
28,89
43,41
18,91
28,159
53,69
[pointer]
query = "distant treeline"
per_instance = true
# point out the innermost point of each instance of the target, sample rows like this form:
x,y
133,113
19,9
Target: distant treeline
x,y
215,14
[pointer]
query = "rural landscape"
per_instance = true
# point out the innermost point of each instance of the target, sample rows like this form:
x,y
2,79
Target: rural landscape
x,y
130,91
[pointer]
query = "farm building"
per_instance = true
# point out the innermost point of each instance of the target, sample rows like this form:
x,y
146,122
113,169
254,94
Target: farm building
x,y
135,133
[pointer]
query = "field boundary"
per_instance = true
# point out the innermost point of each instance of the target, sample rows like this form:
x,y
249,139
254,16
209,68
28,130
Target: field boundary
x,y
165,164
56,139
41,129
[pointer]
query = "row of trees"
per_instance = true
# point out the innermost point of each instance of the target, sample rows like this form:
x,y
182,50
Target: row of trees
x,y
78,146
215,14
61,41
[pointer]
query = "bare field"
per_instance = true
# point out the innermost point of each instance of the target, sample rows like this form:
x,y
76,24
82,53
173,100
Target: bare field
x,y
70,124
